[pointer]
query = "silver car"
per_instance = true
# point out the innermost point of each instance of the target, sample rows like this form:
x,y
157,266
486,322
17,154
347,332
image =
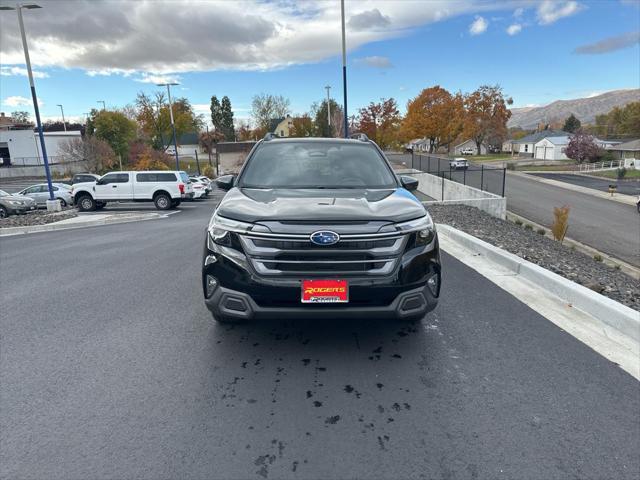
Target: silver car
x,y
40,193
15,204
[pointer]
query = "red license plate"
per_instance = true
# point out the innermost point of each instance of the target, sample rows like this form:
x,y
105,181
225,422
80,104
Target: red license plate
x,y
325,291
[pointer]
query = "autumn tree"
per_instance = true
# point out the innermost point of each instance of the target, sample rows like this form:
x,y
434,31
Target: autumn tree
x,y
96,153
115,129
380,122
571,124
244,132
265,107
20,116
303,126
434,114
208,140
619,122
486,115
582,148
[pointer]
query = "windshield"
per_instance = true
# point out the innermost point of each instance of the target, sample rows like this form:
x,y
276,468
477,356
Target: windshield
x,y
184,177
3,193
316,165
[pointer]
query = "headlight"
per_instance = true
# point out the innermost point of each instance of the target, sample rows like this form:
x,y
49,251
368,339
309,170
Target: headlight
x,y
423,227
220,229
15,202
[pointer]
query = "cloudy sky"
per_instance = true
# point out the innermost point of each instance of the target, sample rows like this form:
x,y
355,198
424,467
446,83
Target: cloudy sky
x,y
539,51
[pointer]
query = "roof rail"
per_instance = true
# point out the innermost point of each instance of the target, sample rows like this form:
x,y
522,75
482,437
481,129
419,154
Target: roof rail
x,y
359,136
270,136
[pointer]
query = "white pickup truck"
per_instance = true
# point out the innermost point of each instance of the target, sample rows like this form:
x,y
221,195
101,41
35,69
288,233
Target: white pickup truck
x,y
166,189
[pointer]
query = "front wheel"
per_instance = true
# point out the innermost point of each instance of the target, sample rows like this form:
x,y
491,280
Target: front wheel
x,y
86,204
162,201
4,213
62,202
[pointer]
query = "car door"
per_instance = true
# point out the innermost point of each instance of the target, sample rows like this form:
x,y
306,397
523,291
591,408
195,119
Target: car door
x,y
124,186
35,192
107,187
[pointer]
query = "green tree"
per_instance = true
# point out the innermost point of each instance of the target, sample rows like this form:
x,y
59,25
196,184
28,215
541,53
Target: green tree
x,y
228,130
216,113
303,126
20,116
571,124
321,119
115,129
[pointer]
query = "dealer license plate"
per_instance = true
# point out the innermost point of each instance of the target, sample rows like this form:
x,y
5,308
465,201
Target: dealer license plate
x,y
325,291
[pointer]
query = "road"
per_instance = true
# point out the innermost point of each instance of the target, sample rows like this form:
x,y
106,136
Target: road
x,y
111,367
611,227
627,187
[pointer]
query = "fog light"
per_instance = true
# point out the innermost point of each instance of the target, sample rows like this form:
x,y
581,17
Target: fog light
x,y
434,284
212,284
210,259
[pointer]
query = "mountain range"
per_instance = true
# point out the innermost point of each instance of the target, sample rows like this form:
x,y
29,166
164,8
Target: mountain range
x,y
585,109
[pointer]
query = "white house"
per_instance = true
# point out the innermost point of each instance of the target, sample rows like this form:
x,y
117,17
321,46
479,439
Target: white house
x,y
551,148
526,145
469,144
22,147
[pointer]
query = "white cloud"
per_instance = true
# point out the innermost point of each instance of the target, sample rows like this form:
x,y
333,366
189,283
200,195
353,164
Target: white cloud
x,y
164,37
478,26
15,71
375,61
17,101
514,29
156,79
550,11
517,13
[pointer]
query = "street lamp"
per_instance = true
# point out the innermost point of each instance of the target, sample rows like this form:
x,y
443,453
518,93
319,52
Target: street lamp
x,y
104,107
64,124
173,125
52,204
328,87
344,72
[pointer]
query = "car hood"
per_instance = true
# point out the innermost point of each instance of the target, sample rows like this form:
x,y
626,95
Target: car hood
x,y
22,198
323,206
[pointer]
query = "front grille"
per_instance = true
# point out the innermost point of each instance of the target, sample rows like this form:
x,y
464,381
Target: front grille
x,y
367,254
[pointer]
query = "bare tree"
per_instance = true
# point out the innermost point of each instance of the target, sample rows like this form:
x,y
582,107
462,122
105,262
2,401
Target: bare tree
x,y
97,153
265,107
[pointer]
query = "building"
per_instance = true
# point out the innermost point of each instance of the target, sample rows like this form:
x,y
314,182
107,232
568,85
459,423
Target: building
x,y
231,156
627,151
469,145
526,145
22,147
551,148
188,145
281,126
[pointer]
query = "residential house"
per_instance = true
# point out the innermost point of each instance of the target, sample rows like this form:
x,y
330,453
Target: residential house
x,y
627,151
188,145
551,148
526,145
469,144
281,126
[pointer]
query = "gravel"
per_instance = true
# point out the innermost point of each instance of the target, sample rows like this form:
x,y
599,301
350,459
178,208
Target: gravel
x,y
39,217
543,251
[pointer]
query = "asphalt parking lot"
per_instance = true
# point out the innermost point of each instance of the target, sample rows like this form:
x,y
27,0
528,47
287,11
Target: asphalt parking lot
x,y
111,367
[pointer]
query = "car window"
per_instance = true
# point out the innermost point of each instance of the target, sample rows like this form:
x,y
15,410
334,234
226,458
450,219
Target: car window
x,y
317,165
155,177
184,177
55,189
30,190
115,178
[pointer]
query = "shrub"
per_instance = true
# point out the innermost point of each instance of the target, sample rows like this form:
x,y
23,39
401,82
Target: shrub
x,y
209,171
518,222
617,266
528,226
621,172
541,231
597,257
511,166
605,155
560,222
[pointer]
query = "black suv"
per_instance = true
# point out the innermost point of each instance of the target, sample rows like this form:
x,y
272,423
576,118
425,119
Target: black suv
x,y
316,227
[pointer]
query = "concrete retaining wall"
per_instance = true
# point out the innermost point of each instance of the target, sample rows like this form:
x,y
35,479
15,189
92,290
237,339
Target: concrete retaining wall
x,y
457,193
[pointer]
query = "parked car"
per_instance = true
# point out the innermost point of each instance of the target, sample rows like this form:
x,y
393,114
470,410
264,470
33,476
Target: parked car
x,y
199,190
166,189
466,151
204,181
459,163
319,228
40,193
15,204
84,177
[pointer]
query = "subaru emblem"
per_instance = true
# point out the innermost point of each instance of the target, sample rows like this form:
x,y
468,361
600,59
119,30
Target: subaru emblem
x,y
324,237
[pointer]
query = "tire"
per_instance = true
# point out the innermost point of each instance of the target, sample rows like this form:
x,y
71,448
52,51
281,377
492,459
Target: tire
x,y
162,201
175,203
4,213
86,203
224,320
62,202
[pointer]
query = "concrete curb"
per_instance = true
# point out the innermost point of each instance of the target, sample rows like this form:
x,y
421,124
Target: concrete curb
x,y
619,197
609,312
50,227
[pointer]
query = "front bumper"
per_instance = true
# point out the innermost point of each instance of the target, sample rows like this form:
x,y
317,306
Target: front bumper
x,y
20,209
243,294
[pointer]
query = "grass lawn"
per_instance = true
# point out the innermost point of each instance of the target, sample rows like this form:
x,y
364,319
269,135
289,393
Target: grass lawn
x,y
631,174
494,157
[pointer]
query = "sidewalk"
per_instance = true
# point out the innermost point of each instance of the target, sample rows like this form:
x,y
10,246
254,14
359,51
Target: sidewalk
x,y
83,220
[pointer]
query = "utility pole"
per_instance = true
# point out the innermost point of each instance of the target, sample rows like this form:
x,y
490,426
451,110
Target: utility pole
x,y
64,124
344,72
208,144
173,125
52,204
328,88
104,105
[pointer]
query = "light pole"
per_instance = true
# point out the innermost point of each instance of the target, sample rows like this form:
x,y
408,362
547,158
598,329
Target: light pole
x,y
104,106
328,87
344,73
64,124
173,125
52,204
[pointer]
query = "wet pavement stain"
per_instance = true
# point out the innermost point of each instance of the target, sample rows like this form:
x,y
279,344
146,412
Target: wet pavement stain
x,y
332,420
309,394
379,385
396,355
317,404
306,361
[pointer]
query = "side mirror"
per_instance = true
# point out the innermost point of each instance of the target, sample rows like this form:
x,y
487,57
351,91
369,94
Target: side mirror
x,y
409,183
225,182
99,182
